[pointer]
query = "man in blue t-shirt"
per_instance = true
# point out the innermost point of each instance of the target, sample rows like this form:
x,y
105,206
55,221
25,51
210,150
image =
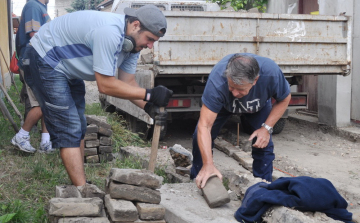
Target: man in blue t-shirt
x,y
33,16
90,45
240,84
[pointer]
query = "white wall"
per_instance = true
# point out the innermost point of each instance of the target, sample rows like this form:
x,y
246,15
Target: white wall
x,y
334,92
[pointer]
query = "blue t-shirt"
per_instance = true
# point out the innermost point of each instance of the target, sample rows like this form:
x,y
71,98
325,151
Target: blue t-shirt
x,y
81,43
271,83
33,16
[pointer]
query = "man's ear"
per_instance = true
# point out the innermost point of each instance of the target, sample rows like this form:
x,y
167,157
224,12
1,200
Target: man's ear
x,y
256,79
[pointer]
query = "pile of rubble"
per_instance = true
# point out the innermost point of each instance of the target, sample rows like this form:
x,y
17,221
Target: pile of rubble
x,y
98,144
130,196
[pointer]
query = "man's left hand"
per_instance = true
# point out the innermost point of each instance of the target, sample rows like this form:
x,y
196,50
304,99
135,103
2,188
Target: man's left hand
x,y
263,138
154,112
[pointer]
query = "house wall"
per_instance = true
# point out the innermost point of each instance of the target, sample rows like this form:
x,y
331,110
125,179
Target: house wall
x,y
4,43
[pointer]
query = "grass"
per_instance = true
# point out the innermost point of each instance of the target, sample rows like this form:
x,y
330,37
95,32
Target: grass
x,y
27,182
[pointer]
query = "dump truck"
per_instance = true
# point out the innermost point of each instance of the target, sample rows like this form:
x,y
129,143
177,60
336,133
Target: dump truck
x,y
199,35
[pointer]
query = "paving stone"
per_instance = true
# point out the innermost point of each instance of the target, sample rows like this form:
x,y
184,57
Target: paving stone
x,y
67,191
215,193
225,147
240,182
121,210
105,157
105,131
91,190
182,170
150,211
184,204
105,141
76,207
356,216
281,214
140,221
92,159
244,159
92,129
105,149
97,120
136,177
84,220
90,151
90,136
92,143
134,193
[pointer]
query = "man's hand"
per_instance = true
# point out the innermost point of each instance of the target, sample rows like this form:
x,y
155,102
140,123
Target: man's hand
x,y
205,173
159,95
263,138
154,112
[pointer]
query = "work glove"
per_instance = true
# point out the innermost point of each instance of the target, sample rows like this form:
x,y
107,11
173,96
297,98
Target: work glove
x,y
159,95
154,112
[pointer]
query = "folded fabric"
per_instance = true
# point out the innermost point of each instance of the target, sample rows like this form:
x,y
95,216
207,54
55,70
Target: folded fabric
x,y
301,193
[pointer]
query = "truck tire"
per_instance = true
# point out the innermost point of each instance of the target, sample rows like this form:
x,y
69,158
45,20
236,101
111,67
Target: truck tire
x,y
279,126
105,105
137,126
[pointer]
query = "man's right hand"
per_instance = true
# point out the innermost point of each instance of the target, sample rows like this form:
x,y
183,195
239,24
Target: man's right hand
x,y
205,173
159,95
154,112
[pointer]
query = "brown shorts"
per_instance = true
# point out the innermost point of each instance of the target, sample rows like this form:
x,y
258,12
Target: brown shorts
x,y
32,99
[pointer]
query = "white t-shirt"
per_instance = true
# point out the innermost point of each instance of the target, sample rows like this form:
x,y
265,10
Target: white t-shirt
x,y
80,43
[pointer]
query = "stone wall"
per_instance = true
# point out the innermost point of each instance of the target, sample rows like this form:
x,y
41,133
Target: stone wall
x,y
98,143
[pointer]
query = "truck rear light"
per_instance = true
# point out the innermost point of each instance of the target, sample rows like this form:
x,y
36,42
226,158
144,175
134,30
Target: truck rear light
x,y
179,103
296,100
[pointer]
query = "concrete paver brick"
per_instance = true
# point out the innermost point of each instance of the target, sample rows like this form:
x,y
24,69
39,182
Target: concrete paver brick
x,y
76,207
84,220
121,210
134,193
136,177
215,193
150,211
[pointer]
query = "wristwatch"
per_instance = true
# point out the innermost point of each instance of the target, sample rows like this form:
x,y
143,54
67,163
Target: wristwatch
x,y
270,129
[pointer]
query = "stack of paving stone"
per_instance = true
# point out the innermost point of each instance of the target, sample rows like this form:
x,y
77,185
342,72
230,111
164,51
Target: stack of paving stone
x,y
83,204
132,196
98,144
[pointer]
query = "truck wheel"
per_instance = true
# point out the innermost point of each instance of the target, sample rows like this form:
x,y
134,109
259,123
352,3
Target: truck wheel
x,y
279,126
137,126
105,105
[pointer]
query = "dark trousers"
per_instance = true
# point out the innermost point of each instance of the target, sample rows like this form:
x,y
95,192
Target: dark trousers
x,y
263,158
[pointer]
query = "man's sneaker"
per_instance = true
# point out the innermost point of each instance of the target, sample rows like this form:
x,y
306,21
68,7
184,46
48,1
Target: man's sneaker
x,y
46,148
23,143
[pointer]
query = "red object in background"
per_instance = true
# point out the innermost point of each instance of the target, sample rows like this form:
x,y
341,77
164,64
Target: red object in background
x,y
13,64
179,103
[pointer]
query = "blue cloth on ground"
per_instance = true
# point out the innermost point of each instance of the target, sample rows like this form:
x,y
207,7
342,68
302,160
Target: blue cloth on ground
x,y
301,193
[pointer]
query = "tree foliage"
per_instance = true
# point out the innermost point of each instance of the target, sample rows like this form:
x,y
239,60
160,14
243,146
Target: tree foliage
x,y
78,5
243,4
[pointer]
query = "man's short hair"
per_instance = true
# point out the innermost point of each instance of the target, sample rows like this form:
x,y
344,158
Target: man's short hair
x,y
150,17
242,69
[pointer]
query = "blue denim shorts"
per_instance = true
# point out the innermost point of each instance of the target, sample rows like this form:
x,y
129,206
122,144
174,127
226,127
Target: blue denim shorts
x,y
62,101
